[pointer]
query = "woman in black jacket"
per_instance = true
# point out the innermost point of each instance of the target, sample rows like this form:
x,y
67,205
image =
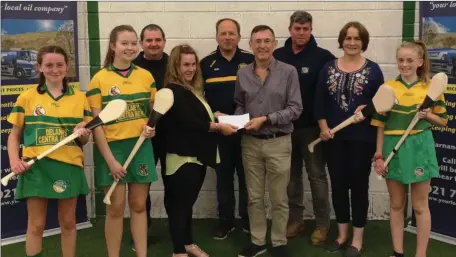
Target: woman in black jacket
x,y
191,146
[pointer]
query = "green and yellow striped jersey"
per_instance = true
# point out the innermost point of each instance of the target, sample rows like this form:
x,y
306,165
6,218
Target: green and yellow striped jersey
x,y
396,121
47,120
137,88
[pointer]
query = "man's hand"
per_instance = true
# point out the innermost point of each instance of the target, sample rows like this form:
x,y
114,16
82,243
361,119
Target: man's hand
x,y
255,123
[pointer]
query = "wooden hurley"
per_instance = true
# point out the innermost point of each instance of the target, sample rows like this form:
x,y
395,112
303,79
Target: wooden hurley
x,y
164,100
113,110
382,101
437,87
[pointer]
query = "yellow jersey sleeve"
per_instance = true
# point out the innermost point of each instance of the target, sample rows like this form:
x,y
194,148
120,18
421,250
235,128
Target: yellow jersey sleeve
x,y
87,111
152,88
379,119
17,115
439,108
94,93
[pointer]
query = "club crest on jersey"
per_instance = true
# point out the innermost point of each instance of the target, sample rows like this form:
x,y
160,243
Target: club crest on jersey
x,y
241,65
114,90
59,186
305,70
419,172
39,111
143,170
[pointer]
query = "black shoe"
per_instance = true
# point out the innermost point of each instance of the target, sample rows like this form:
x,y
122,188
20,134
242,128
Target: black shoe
x,y
396,254
335,247
252,250
223,229
352,252
280,251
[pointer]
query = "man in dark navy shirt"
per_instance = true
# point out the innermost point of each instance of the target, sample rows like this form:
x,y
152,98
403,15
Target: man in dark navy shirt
x,y
301,51
153,59
219,72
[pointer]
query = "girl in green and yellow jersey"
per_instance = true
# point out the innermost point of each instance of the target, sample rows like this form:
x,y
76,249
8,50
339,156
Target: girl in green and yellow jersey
x,y
45,115
121,79
415,162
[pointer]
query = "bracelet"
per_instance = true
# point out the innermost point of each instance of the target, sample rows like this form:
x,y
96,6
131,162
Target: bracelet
x,y
377,157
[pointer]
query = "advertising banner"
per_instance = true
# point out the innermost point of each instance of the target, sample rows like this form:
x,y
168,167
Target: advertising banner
x,y
438,31
26,27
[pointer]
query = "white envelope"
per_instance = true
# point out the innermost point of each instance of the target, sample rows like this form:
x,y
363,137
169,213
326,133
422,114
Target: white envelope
x,y
237,120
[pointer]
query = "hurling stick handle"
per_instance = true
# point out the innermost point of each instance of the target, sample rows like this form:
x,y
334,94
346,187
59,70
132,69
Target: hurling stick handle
x,y
42,155
399,143
107,199
55,147
404,136
342,125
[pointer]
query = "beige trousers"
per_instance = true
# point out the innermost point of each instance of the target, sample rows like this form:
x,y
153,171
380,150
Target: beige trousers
x,y
267,159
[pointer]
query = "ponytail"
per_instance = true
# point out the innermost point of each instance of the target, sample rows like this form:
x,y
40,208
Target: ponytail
x,y
420,47
41,82
424,70
109,59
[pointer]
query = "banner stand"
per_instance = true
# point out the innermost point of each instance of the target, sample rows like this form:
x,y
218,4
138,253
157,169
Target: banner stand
x,y
433,235
49,232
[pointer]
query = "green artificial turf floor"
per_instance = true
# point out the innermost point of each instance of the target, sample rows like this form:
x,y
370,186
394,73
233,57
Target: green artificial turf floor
x,y
91,242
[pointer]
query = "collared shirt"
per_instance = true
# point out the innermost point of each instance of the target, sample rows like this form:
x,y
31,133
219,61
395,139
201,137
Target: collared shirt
x,y
219,76
137,88
278,97
408,95
47,120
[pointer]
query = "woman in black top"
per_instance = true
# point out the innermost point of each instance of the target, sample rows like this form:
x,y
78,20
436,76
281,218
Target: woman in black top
x,y
190,146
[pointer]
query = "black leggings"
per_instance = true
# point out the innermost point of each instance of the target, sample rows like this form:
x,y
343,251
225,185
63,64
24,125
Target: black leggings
x,y
349,166
181,191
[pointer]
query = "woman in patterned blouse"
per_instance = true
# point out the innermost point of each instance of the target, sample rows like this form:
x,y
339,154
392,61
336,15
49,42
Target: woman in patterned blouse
x,y
345,84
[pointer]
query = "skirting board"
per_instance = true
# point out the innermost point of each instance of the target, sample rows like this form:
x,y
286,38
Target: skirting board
x,y
50,232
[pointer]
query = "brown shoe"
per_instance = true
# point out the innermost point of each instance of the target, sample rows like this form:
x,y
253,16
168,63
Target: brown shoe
x,y
295,228
319,236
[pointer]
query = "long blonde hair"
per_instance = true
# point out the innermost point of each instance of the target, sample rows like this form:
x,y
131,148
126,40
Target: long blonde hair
x,y
173,74
420,47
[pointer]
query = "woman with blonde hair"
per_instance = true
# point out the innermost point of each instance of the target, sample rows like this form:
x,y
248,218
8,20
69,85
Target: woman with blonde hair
x,y
191,146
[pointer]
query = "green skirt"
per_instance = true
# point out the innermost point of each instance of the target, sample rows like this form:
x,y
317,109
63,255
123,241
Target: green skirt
x,y
415,161
52,179
141,169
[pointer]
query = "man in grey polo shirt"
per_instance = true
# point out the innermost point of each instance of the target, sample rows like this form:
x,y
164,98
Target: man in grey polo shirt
x,y
269,91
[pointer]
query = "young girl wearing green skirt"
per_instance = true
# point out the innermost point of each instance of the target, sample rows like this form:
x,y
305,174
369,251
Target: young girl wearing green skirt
x,y
121,79
45,115
415,162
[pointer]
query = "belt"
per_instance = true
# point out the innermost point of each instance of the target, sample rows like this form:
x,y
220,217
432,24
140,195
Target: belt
x,y
276,135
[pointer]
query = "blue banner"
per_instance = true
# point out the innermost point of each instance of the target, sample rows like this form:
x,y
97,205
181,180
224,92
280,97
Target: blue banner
x,y
26,27
438,31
